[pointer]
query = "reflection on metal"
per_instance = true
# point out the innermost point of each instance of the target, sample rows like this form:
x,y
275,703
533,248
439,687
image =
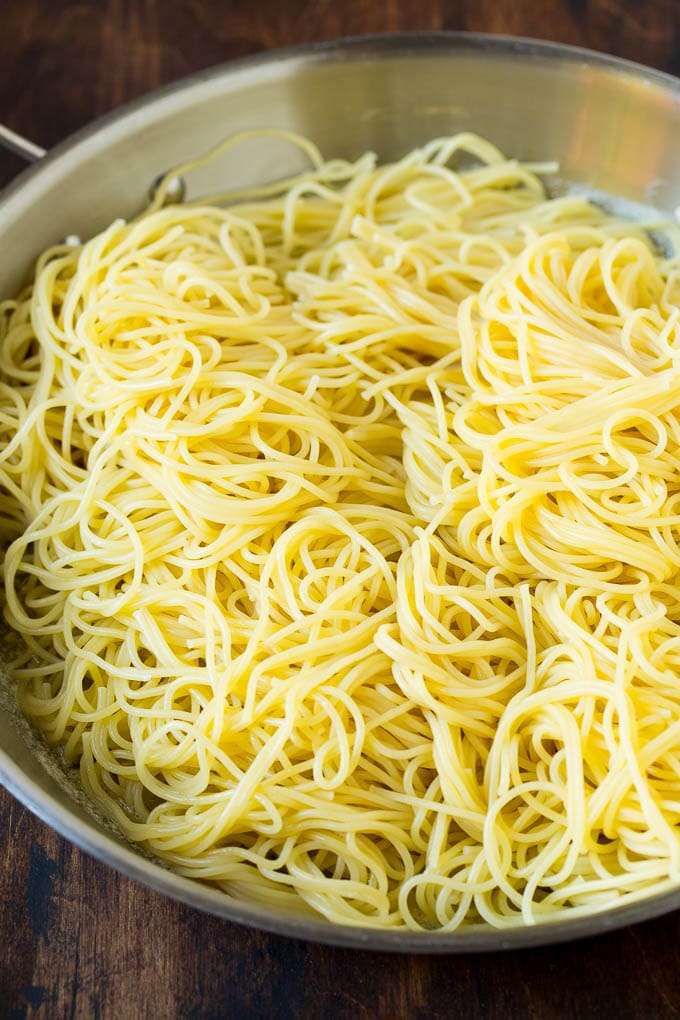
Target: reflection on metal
x,y
175,190
23,147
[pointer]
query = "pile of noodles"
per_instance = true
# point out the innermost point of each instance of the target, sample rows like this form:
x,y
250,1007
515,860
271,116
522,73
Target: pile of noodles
x,y
343,537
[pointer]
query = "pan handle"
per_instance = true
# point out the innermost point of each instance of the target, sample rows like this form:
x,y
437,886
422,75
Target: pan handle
x,y
23,147
31,152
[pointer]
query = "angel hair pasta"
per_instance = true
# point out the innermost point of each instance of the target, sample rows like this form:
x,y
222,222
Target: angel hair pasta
x,y
343,537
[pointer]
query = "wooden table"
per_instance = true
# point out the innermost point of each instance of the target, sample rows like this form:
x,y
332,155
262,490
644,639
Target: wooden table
x,y
78,940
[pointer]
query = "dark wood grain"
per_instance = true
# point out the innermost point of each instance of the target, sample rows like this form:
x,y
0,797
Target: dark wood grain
x,y
78,940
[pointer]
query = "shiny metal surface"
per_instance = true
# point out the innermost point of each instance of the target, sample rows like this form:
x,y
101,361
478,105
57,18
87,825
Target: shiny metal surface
x,y
23,147
614,127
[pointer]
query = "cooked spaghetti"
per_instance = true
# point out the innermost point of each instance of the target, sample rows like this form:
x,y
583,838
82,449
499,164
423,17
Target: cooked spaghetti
x,y
342,529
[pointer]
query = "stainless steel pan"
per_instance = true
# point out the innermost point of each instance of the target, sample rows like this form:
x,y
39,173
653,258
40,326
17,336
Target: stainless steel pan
x,y
614,127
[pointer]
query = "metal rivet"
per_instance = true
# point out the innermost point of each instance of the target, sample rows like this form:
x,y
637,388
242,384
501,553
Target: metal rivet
x,y
175,189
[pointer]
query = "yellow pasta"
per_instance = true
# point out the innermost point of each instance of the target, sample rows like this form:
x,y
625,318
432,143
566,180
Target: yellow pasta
x,y
342,529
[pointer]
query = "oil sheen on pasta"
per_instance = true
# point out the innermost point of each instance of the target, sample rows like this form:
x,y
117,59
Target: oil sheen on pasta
x,y
343,538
